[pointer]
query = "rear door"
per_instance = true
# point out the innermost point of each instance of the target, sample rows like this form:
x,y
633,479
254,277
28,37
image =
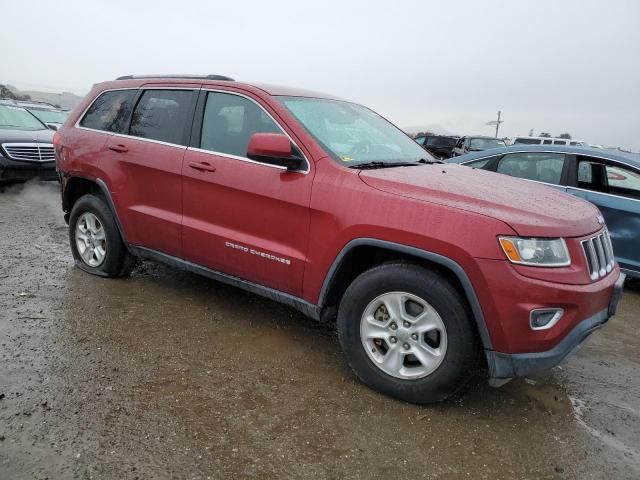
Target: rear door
x,y
145,168
615,189
242,217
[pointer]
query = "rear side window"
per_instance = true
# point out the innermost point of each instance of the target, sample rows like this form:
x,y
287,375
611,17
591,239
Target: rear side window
x,y
543,167
110,111
229,122
163,115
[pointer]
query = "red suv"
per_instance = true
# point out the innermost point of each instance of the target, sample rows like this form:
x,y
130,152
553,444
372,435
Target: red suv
x,y
430,270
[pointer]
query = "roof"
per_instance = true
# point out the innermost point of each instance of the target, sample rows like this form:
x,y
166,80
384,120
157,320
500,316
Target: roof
x,y
129,81
614,155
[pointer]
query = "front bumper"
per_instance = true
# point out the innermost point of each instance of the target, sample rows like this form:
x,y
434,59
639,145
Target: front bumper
x,y
15,171
506,365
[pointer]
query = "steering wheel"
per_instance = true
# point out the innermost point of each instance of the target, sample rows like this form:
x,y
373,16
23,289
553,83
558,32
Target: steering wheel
x,y
363,146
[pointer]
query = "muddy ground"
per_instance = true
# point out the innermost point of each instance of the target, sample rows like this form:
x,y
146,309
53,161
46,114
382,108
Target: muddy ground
x,y
169,375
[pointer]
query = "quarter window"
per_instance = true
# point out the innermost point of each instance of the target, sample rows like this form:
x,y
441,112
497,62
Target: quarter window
x,y
542,167
229,122
163,115
110,111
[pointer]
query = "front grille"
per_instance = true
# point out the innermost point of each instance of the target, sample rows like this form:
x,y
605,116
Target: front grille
x,y
599,253
30,152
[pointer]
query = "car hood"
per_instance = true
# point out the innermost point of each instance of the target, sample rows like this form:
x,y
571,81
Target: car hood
x,y
26,136
531,209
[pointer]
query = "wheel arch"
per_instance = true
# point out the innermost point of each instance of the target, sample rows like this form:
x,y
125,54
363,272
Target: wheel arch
x,y
76,186
362,254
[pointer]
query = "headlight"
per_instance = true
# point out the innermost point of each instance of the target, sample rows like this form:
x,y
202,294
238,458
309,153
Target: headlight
x,y
539,252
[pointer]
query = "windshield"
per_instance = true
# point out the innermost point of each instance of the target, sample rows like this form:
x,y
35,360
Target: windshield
x,y
485,143
353,134
50,116
18,118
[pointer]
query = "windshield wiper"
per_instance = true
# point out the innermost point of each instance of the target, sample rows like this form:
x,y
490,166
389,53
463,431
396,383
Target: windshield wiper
x,y
430,161
379,164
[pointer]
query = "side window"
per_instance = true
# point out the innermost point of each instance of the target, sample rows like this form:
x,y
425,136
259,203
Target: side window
x,y
623,181
559,142
601,177
546,142
229,122
110,111
479,163
421,140
585,173
543,167
162,115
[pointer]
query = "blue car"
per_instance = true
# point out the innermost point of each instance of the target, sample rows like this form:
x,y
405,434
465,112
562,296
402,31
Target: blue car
x,y
608,179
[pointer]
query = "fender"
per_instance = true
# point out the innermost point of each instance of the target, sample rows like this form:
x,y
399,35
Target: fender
x,y
107,195
446,262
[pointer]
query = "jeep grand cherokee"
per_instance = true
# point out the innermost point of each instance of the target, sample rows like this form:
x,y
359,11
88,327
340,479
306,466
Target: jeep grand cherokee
x,y
430,270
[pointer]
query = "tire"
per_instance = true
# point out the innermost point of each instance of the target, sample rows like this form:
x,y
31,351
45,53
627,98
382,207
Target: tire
x,y
454,336
91,217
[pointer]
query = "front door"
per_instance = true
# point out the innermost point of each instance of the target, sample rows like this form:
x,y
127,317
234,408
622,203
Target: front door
x,y
615,190
242,217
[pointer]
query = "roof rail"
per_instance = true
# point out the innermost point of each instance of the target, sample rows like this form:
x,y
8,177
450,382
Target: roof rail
x,y
199,77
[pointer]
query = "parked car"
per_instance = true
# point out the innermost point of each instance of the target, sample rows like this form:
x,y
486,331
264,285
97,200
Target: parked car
x,y
608,179
325,206
52,116
547,141
440,146
476,144
26,149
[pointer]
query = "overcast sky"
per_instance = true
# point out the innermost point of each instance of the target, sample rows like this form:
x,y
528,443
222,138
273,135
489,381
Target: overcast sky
x,y
552,66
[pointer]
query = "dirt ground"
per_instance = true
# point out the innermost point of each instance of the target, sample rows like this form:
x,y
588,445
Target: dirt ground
x,y
170,375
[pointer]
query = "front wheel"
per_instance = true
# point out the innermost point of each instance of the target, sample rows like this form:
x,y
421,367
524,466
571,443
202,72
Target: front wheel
x,y
407,332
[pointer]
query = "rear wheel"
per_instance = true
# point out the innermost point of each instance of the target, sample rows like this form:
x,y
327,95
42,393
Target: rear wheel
x,y
96,243
406,332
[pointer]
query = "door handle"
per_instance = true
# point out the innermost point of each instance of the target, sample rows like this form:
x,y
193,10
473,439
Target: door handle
x,y
202,166
120,148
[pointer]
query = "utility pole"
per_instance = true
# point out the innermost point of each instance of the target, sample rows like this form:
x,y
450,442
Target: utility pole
x,y
496,122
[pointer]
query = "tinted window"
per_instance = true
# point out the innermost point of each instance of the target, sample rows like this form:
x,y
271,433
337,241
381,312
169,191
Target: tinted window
x,y
543,167
229,121
441,142
110,111
547,142
163,115
559,142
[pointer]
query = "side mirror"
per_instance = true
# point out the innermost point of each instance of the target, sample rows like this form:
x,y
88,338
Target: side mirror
x,y
52,126
276,149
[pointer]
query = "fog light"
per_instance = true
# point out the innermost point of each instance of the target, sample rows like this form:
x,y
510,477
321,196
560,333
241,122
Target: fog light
x,y
544,318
